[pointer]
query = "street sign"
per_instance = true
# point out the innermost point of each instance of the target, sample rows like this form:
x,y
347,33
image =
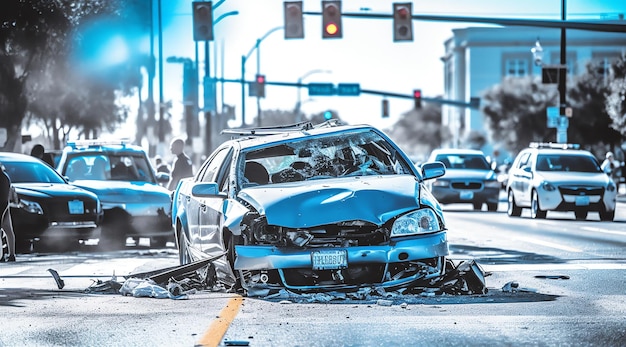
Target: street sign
x,y
553,116
320,89
348,89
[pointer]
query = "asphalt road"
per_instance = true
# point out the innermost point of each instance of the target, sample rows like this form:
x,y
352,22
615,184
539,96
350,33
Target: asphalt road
x,y
570,277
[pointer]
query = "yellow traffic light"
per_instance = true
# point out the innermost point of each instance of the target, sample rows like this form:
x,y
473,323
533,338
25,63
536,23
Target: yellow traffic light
x,y
331,19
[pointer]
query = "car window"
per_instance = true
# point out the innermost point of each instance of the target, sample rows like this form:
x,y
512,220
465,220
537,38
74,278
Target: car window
x,y
329,156
464,161
109,166
566,162
25,172
523,160
210,170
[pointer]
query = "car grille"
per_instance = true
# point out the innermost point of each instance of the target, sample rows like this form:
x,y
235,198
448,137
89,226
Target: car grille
x,y
59,211
581,190
467,185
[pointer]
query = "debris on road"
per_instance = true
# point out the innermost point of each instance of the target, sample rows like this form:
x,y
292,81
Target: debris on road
x,y
57,278
553,277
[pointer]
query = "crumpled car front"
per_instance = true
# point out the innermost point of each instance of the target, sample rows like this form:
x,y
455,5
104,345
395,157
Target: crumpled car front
x,y
340,234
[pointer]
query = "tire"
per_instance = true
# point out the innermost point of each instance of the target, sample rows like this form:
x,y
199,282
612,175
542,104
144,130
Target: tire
x,y
607,215
478,206
183,250
492,207
580,213
512,209
535,211
4,244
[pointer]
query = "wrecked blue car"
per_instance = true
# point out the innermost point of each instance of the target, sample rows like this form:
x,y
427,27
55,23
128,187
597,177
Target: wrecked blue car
x,y
309,208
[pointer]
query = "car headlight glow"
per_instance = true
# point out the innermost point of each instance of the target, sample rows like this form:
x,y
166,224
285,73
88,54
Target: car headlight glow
x,y
547,186
441,183
492,184
417,222
31,206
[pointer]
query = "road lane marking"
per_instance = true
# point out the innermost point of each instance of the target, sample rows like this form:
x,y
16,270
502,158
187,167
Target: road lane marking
x,y
551,267
549,244
605,231
214,334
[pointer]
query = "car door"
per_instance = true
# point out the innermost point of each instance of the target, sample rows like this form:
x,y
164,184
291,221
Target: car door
x,y
209,208
520,179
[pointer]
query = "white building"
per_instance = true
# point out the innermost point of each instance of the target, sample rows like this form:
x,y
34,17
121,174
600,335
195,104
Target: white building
x,y
478,58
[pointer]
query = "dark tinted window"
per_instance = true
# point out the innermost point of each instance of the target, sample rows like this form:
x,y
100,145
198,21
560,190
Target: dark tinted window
x,y
565,162
463,161
27,172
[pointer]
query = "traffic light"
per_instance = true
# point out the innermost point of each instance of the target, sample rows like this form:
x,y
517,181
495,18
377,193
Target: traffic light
x,y
202,20
385,108
328,115
402,22
294,25
331,19
417,96
260,86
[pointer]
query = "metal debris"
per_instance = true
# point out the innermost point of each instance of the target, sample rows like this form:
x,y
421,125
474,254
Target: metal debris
x,y
57,278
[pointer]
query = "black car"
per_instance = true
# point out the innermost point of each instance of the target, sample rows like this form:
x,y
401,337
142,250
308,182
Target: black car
x,y
50,209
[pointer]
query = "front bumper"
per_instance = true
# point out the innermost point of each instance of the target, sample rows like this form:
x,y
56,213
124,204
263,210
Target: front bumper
x,y
555,200
448,195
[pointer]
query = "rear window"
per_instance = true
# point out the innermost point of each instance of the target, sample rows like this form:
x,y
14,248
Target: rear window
x,y
464,161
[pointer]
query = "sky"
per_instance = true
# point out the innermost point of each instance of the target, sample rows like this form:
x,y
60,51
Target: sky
x,y
366,54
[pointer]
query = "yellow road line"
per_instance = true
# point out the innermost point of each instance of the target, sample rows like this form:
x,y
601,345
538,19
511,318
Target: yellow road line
x,y
214,334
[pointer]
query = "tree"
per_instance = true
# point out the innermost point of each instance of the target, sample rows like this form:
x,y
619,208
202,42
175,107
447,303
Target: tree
x,y
418,132
591,124
616,95
34,29
516,112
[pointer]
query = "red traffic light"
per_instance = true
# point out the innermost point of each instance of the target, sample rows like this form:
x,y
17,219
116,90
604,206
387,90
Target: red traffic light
x,y
417,96
402,22
260,79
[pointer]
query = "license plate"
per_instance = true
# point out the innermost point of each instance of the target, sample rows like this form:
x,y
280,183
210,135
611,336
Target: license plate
x,y
329,259
582,200
76,207
467,195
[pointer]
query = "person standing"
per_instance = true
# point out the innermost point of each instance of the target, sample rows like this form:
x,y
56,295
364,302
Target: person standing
x,y
610,165
38,151
182,166
6,196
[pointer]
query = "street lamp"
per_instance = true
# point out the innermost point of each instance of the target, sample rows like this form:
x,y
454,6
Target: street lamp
x,y
537,53
244,58
300,79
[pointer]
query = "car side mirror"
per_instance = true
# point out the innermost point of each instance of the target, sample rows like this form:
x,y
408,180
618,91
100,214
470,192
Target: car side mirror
x,y
433,169
526,168
205,189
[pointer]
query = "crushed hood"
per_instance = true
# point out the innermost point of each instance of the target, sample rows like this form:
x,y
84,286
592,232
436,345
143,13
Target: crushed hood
x,y
306,204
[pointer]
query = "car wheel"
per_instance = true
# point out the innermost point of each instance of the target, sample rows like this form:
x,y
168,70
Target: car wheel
x,y
512,209
535,211
4,244
607,215
478,206
183,249
492,207
580,213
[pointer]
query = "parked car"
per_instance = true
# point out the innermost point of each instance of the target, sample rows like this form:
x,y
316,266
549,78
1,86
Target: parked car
x,y
50,209
134,203
312,207
469,179
559,177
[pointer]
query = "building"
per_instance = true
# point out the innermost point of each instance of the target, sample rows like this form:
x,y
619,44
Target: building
x,y
478,58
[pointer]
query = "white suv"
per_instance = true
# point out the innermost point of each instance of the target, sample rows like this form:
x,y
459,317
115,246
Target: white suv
x,y
559,177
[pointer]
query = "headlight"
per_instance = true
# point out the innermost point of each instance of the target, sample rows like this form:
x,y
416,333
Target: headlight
x,y
31,206
417,222
547,186
492,184
441,183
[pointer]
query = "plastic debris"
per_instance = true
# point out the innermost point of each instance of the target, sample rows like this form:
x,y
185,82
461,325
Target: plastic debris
x,y
57,278
510,287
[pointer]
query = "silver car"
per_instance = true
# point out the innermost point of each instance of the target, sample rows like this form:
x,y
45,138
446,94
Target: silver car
x,y
312,207
559,177
469,179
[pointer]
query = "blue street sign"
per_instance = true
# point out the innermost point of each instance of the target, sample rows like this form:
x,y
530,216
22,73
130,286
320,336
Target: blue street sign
x,y
317,89
348,89
553,116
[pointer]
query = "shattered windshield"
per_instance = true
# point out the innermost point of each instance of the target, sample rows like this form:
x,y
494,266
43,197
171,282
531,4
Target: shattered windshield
x,y
336,155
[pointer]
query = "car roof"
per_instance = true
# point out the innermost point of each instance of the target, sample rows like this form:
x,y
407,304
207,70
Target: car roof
x,y
456,151
121,145
253,137
12,156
